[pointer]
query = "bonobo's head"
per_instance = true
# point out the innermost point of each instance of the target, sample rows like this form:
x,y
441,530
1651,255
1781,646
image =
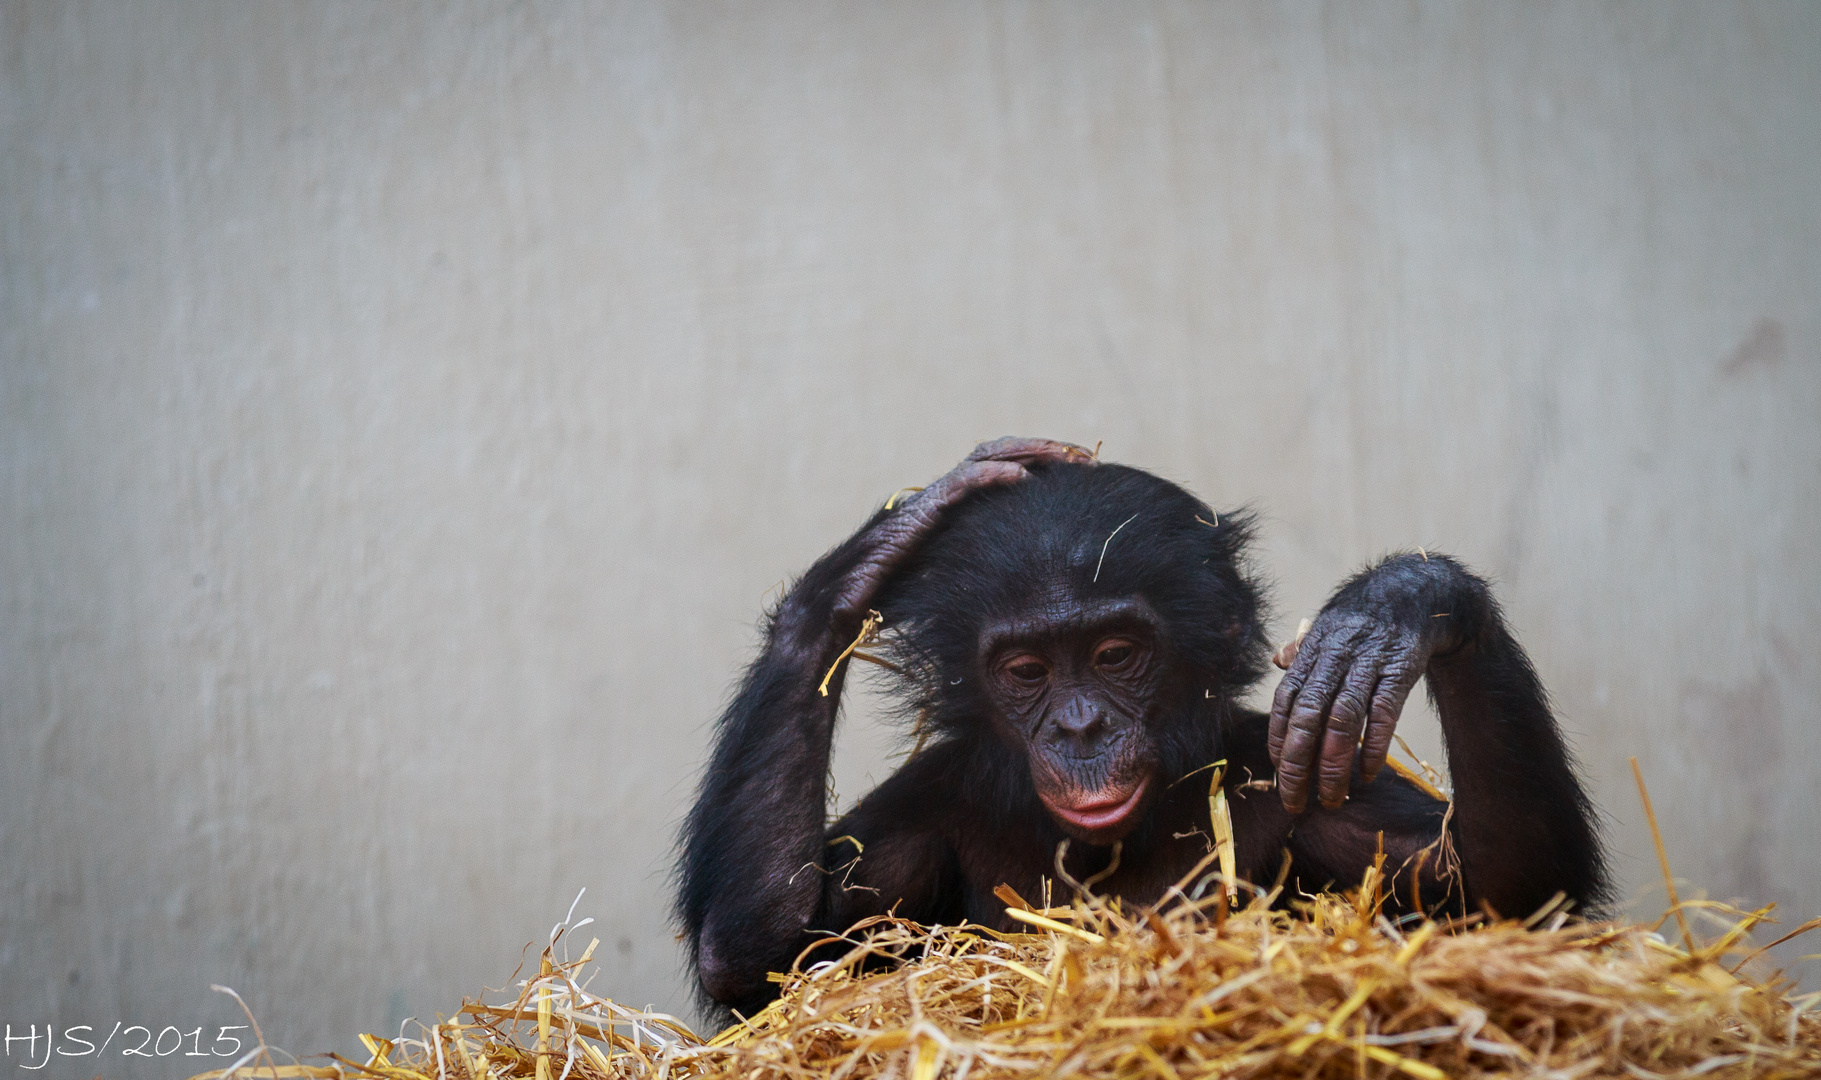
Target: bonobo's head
x,y
1094,619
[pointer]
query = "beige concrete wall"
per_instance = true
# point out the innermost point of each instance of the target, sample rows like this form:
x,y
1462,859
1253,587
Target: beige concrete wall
x,y
403,410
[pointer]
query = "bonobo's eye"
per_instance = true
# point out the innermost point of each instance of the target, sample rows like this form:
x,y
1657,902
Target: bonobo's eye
x,y
1115,655
1026,669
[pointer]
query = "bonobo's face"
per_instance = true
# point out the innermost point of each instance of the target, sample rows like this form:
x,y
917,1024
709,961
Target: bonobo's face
x,y
1075,685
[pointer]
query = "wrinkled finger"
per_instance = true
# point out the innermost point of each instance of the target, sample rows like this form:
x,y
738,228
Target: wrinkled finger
x,y
1027,451
1395,682
1303,734
1284,701
979,474
1281,704
1340,744
957,482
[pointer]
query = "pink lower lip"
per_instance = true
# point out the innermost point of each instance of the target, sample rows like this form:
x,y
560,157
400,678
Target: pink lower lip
x,y
1101,814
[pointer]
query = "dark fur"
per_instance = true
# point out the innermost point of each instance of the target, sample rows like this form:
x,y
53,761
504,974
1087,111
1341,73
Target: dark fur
x,y
760,876
1005,546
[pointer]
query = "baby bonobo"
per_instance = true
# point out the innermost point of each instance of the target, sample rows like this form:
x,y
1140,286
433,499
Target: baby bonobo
x,y
1075,638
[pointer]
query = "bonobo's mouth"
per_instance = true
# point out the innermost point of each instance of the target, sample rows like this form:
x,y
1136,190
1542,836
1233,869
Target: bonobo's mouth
x,y
1107,813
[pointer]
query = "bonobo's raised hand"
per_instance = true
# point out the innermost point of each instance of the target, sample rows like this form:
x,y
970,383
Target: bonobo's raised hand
x,y
752,866
894,536
1356,667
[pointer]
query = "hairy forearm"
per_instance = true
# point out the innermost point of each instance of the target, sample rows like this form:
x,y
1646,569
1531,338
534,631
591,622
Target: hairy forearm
x,y
751,870
762,795
1523,824
750,875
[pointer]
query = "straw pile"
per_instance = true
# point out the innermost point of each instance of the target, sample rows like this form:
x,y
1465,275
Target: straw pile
x,y
1330,989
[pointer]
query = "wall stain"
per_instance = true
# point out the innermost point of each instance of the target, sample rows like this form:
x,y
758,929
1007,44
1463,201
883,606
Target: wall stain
x,y
1763,349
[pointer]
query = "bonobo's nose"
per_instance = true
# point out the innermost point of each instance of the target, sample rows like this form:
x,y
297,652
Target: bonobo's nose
x,y
1081,726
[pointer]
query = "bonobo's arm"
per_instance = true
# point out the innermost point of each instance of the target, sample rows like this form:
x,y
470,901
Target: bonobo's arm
x,y
1522,824
753,847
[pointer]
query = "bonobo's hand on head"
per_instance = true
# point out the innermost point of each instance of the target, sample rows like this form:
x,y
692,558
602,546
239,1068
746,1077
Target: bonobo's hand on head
x,y
895,536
